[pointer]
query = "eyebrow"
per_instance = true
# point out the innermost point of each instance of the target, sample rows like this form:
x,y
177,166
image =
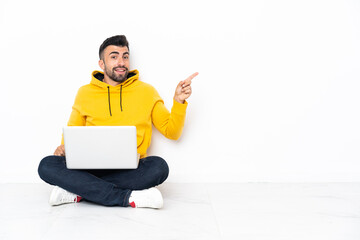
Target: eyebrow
x,y
115,52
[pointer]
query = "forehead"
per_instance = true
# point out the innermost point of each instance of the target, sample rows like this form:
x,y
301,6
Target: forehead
x,y
115,49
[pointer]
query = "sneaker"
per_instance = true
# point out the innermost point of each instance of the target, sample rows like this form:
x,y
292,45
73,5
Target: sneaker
x,y
60,196
149,198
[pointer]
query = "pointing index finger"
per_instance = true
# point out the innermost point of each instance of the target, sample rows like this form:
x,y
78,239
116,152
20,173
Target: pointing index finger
x,y
188,80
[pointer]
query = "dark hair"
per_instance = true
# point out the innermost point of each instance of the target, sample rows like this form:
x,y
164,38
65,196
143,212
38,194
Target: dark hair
x,y
118,40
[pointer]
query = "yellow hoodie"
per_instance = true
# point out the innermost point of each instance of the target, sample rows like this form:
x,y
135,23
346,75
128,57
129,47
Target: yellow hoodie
x,y
131,103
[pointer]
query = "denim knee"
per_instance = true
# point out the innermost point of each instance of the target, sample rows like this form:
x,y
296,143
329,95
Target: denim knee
x,y
160,168
48,165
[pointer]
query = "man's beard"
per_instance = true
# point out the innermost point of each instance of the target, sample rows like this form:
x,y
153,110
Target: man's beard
x,y
114,76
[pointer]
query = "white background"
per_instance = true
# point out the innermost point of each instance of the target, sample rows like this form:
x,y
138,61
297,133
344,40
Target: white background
x,y
277,98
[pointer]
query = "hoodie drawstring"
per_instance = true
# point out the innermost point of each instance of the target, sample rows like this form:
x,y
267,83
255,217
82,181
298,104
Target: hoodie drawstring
x,y
121,97
109,99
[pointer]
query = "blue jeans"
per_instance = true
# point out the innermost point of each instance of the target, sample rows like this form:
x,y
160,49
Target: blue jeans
x,y
105,187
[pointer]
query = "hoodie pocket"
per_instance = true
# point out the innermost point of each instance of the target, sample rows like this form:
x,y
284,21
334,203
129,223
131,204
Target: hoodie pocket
x,y
140,136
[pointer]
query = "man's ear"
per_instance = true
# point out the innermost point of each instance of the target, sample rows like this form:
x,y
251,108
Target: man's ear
x,y
101,64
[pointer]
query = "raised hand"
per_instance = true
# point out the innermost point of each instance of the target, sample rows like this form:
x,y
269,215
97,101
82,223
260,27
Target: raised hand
x,y
183,89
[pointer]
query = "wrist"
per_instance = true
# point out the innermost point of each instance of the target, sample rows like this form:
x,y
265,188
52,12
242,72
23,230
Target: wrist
x,y
179,100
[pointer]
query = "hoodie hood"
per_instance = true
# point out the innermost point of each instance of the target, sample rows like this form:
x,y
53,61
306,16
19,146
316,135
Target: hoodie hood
x,y
97,80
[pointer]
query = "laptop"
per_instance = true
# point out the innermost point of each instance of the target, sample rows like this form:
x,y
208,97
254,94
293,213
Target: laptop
x,y
101,147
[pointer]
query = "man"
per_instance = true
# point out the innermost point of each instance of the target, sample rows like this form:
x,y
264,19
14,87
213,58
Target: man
x,y
117,97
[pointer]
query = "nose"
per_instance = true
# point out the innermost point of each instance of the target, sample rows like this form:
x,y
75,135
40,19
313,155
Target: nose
x,y
121,62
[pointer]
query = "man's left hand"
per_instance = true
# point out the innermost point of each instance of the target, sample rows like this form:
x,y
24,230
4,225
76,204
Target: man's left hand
x,y
183,89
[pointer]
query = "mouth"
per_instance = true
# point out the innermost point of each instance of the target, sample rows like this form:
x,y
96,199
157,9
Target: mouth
x,y
120,70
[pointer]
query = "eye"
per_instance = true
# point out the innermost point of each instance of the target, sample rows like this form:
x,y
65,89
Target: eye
x,y
113,57
126,57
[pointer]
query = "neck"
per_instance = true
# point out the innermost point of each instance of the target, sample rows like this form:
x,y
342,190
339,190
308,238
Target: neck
x,y
110,81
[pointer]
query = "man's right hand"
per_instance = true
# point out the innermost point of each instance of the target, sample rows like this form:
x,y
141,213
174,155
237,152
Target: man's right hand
x,y
60,150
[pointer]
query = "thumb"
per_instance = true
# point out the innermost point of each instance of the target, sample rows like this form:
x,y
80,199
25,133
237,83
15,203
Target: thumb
x,y
180,84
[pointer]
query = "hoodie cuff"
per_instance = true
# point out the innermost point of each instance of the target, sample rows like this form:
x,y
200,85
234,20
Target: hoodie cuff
x,y
179,108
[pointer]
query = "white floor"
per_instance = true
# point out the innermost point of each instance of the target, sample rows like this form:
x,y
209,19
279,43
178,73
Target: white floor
x,y
192,211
